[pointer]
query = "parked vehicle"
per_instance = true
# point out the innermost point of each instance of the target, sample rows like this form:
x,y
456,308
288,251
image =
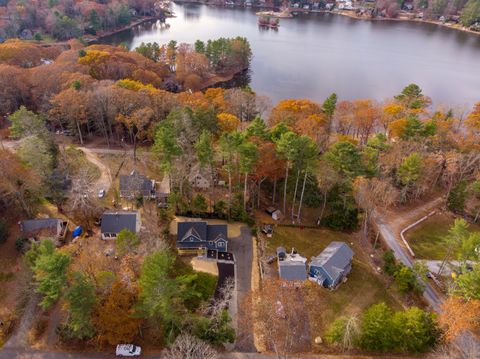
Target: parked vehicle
x,y
128,350
268,230
101,193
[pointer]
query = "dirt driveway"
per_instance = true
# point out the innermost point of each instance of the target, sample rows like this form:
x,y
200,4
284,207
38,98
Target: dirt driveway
x,y
105,180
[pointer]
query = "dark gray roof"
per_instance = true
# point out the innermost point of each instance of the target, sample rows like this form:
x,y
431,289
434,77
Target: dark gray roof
x,y
31,226
334,259
134,184
114,222
292,270
205,232
216,232
185,229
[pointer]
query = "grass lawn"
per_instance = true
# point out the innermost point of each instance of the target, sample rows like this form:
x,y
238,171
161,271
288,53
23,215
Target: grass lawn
x,y
428,238
363,288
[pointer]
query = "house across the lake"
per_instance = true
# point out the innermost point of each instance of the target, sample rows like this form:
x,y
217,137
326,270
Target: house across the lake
x,y
198,236
291,266
36,229
114,222
331,266
135,185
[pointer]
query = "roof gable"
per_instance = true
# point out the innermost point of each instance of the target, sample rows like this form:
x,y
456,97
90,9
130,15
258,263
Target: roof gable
x,y
334,259
197,229
135,183
216,232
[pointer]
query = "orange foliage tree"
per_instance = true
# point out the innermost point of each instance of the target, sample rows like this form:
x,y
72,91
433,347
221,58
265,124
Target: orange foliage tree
x,y
458,316
114,316
291,111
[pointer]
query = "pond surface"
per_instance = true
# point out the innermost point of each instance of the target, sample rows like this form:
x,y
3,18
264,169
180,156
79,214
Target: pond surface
x,y
313,55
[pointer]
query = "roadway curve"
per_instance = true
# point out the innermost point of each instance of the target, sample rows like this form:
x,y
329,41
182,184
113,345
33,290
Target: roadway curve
x,y
390,232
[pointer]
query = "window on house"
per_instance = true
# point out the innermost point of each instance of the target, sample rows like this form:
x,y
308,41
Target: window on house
x,y
210,243
220,244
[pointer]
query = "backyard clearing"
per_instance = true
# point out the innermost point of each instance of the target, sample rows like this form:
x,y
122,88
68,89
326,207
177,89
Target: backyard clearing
x,y
428,238
363,288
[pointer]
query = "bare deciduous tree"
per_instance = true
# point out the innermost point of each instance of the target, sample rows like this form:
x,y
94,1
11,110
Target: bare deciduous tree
x,y
187,346
466,346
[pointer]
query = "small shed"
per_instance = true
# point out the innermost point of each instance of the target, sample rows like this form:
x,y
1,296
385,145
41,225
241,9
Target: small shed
x,y
277,215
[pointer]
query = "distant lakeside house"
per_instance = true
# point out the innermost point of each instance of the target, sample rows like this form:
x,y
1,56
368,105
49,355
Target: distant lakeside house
x,y
135,184
42,228
196,236
331,266
114,222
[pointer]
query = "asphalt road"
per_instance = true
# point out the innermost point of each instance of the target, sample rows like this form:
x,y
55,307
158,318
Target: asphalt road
x,y
392,239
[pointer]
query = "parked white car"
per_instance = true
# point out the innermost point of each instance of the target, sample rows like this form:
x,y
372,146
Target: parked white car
x,y
128,350
101,193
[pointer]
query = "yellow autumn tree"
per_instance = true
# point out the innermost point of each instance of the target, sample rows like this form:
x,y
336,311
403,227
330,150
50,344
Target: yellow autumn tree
x,y
397,128
227,122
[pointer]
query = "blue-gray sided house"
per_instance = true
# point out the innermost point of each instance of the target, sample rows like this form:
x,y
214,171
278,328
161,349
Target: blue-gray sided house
x,y
199,235
332,265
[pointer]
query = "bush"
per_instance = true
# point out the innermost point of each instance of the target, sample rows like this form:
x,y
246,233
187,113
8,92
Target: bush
x,y
216,330
336,331
457,196
20,243
413,330
407,280
389,263
199,204
3,231
220,209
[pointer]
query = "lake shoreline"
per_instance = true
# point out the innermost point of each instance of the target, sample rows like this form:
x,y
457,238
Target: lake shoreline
x,y
98,38
349,14
402,19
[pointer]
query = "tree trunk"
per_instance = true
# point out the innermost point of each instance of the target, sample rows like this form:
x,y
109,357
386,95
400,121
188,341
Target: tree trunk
x,y
285,191
476,216
229,193
134,148
245,191
274,190
295,195
212,198
324,205
79,132
301,196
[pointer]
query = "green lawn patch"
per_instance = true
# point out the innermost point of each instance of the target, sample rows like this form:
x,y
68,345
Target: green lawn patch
x,y
428,238
363,288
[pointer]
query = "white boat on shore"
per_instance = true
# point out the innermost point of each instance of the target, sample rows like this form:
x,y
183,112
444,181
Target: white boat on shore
x,y
279,14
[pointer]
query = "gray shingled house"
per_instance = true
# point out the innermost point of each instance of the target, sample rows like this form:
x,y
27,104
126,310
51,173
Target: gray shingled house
x,y
291,266
54,228
114,222
135,184
332,265
198,236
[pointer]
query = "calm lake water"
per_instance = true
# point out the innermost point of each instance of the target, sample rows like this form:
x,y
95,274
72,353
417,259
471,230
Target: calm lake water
x,y
313,55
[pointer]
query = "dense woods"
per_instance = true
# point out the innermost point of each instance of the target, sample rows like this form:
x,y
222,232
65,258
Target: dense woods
x,y
66,19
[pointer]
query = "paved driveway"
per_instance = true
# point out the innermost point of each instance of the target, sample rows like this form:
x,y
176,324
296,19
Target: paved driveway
x,y
242,249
